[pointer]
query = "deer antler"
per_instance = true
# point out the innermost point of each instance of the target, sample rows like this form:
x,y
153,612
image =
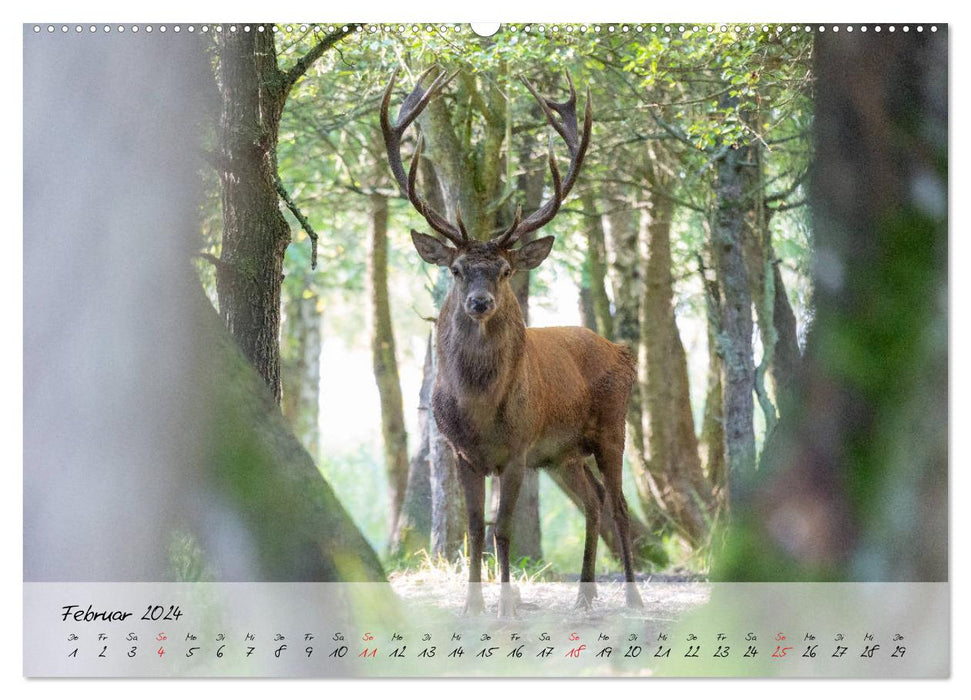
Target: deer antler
x,y
576,142
412,106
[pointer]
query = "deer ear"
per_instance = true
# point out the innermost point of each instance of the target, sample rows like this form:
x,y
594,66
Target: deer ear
x,y
532,254
433,250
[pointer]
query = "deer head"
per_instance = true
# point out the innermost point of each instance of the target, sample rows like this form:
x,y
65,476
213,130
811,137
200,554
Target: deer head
x,y
481,269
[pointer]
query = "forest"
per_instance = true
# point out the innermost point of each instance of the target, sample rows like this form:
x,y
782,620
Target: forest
x,y
689,238
760,219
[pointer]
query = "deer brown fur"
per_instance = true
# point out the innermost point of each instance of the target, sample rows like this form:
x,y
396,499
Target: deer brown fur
x,y
509,398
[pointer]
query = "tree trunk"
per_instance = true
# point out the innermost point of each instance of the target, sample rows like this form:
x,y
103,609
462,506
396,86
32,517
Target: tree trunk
x,y
455,188
588,316
597,265
685,494
735,177
301,368
413,529
385,364
776,321
854,484
787,359
255,233
291,516
712,426
143,421
624,237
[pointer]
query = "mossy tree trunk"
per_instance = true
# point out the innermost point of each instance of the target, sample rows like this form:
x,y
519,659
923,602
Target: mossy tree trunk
x,y
249,273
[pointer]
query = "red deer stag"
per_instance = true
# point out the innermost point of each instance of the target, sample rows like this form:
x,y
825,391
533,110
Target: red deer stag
x,y
508,397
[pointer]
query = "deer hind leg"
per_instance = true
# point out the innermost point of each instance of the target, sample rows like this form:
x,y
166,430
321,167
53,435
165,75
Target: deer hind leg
x,y
509,482
610,461
473,484
588,490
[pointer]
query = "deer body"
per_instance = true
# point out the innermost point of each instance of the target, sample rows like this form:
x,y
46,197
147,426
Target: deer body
x,y
550,394
506,397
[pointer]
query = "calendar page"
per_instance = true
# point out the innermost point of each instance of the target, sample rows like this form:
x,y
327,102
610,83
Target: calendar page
x,y
448,350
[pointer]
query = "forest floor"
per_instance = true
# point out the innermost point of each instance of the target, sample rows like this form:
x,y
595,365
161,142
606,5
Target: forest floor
x,y
667,598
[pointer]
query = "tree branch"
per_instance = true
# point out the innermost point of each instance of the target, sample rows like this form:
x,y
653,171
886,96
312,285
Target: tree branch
x,y
296,72
784,194
291,205
218,263
789,206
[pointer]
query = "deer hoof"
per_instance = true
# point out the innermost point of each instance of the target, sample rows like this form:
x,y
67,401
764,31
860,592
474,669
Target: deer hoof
x,y
473,608
474,604
508,601
585,596
633,597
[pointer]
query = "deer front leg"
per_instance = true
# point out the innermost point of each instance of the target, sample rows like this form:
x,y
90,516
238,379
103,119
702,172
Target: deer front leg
x,y
473,483
509,482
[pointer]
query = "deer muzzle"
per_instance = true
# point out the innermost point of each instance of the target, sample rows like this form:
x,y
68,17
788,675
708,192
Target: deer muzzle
x,y
479,305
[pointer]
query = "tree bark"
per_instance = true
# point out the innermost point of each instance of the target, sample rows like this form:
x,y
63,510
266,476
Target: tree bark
x,y
393,434
684,492
249,276
735,171
712,426
588,317
597,265
623,232
255,233
787,358
301,368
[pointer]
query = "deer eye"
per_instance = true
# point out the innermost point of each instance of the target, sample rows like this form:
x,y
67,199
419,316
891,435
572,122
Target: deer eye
x,y
456,270
506,272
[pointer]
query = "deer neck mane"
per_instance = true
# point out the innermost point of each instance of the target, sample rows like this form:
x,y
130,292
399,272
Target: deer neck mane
x,y
481,357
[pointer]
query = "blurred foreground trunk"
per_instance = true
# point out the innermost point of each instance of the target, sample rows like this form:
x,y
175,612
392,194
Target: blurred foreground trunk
x,y
853,485
145,426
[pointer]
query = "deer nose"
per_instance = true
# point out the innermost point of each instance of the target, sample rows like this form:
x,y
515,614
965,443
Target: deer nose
x,y
479,302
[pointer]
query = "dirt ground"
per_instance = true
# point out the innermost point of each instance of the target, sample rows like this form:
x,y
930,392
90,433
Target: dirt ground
x,y
666,599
